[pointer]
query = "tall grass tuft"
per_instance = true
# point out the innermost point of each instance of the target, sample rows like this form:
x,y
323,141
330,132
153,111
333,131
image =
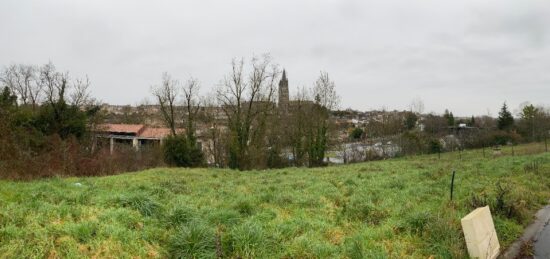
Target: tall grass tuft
x,y
362,209
181,215
245,207
248,240
417,222
84,231
147,206
193,240
355,248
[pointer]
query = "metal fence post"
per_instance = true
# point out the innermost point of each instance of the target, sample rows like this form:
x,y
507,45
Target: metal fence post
x,y
452,184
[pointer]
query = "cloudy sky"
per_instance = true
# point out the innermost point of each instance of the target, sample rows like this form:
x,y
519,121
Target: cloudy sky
x,y
468,56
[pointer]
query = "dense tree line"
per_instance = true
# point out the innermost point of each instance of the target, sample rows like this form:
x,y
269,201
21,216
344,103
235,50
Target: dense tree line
x,y
417,133
255,132
47,124
49,121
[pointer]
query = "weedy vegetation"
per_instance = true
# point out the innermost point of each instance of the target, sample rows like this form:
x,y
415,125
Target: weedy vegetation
x,y
397,208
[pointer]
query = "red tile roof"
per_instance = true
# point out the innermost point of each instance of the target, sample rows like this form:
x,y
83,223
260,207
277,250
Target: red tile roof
x,y
155,133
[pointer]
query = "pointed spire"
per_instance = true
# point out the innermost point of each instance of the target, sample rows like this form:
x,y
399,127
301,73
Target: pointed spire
x,y
284,75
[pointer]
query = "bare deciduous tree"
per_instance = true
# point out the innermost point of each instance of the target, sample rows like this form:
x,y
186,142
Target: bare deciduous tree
x,y
24,75
417,106
214,121
53,82
297,126
166,95
80,95
9,78
325,93
23,80
326,100
246,101
192,105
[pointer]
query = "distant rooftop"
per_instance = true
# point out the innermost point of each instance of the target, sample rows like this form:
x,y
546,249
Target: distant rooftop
x,y
138,130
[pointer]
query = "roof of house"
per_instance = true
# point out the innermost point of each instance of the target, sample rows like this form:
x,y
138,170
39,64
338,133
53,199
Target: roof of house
x,y
139,130
122,128
155,133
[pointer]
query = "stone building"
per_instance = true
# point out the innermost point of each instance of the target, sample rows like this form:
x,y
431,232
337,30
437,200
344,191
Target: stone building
x,y
139,135
136,135
283,93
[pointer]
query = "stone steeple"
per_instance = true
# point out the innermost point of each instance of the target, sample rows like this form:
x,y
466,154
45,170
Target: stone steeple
x,y
283,92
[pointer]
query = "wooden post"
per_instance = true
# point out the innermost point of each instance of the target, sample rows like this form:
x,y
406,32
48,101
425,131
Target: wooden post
x,y
452,184
545,143
94,143
135,144
111,145
452,147
439,154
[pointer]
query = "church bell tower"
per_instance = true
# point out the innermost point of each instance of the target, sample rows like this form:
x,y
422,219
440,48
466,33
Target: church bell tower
x,y
283,93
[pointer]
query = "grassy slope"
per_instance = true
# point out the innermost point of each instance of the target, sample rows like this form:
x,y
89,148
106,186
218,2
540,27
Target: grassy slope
x,y
395,208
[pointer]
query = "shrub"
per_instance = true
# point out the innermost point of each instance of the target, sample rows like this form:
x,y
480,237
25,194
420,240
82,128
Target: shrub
x,y
502,137
275,159
26,155
63,120
502,203
507,206
435,146
477,201
372,155
356,133
501,195
179,151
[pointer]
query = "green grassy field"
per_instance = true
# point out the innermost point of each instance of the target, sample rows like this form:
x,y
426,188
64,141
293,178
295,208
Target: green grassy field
x,y
385,209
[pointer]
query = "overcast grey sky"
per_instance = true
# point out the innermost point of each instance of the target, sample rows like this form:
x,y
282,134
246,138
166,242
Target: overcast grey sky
x,y
468,56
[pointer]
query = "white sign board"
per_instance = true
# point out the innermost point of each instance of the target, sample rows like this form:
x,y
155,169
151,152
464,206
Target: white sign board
x,y
479,232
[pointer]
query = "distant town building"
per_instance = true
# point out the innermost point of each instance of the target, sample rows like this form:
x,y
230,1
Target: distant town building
x,y
283,93
149,131
140,135
136,135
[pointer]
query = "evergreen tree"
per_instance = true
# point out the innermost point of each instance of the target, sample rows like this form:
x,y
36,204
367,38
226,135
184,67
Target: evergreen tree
x,y
531,116
7,99
505,119
178,151
410,120
356,133
449,117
